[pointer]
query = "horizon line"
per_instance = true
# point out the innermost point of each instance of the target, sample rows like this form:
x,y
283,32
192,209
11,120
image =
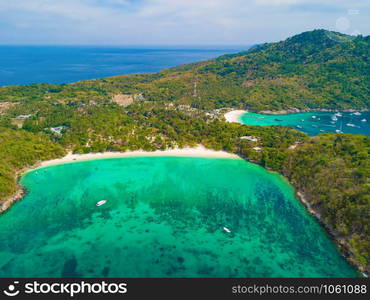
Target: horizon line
x,y
134,45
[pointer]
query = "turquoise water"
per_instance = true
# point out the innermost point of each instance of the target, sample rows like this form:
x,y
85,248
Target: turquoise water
x,y
164,218
312,126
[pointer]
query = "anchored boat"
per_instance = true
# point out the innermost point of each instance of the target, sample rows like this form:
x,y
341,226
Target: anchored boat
x,y
100,203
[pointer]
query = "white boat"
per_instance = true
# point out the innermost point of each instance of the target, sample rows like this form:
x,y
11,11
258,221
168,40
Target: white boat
x,y
227,230
322,130
351,125
313,117
100,203
363,120
338,114
357,113
334,118
338,131
299,126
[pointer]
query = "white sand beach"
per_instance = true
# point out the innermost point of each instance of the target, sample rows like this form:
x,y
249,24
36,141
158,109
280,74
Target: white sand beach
x,y
198,151
234,115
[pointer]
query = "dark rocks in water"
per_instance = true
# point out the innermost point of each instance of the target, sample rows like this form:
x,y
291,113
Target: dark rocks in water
x,y
180,259
257,261
105,271
69,269
205,270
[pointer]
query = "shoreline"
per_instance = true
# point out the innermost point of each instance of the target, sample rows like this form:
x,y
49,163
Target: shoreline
x,y
198,151
341,243
297,110
19,194
233,116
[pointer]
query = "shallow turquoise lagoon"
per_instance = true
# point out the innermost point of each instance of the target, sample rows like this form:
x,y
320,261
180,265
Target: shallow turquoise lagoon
x,y
314,123
165,217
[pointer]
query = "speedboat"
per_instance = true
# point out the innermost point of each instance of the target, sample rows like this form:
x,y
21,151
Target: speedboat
x,y
100,203
338,131
313,117
299,126
363,120
357,113
338,114
334,118
227,230
351,125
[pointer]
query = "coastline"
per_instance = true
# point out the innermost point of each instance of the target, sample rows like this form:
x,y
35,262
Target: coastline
x,y
198,151
297,110
343,246
234,115
17,196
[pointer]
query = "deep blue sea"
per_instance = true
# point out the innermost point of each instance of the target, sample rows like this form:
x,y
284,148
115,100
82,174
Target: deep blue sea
x,y
64,64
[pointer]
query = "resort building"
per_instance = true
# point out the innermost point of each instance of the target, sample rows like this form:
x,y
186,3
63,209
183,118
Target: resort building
x,y
249,138
57,130
23,117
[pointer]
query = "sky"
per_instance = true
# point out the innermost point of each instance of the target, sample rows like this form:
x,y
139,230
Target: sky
x,y
174,22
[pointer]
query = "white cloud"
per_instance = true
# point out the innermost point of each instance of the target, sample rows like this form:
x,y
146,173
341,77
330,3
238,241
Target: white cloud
x,y
168,21
278,2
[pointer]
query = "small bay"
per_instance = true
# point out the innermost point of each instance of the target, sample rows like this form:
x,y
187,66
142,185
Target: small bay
x,y
314,123
164,217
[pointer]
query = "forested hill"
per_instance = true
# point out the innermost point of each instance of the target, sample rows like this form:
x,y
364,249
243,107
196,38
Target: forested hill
x,y
316,69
